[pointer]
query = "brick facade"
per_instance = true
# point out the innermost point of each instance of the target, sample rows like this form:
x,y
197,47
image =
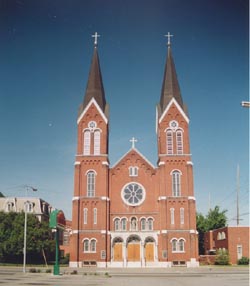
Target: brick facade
x,y
133,214
233,239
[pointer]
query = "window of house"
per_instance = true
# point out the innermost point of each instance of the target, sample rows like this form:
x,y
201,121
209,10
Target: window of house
x,y
179,142
91,184
176,184
85,216
133,171
95,215
29,207
181,245
86,142
97,142
169,142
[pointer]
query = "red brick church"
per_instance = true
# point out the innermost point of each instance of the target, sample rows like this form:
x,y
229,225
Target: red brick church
x,y
133,214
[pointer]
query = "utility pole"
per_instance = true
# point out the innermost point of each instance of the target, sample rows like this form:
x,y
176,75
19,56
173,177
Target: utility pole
x,y
238,192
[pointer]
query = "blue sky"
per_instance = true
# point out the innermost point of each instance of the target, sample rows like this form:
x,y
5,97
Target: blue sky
x,y
46,50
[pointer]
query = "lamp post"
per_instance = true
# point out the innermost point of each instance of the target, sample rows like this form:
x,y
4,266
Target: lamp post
x,y
25,226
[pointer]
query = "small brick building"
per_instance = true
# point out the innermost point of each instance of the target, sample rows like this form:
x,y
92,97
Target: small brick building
x,y
234,239
133,214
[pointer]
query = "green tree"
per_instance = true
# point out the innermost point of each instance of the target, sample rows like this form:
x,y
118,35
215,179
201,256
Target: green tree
x,y
213,220
39,238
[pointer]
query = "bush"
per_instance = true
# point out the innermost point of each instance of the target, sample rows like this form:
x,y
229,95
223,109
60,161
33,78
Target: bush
x,y
243,261
222,257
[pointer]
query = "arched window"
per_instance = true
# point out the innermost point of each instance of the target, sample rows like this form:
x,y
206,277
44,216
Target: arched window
x,y
181,245
117,224
133,224
97,142
169,142
172,215
182,215
124,224
92,245
179,142
9,207
143,224
86,142
150,224
223,235
95,215
174,245
86,245
85,216
91,184
176,184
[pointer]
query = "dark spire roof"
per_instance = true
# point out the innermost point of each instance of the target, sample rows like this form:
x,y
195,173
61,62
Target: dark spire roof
x,y
170,85
95,85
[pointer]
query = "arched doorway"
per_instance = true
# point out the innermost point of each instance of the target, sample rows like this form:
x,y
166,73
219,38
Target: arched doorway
x,y
149,249
117,249
133,248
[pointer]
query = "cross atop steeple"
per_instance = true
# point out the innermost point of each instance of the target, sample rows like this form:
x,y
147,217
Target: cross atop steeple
x,y
169,38
96,37
133,141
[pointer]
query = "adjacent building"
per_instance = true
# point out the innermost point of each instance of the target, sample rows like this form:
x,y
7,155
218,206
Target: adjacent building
x,y
40,208
234,239
133,214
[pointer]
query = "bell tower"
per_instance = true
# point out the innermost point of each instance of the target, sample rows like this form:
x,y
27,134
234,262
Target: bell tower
x,y
175,167
90,203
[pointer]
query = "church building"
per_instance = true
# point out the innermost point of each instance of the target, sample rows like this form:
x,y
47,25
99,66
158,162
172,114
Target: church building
x,y
133,214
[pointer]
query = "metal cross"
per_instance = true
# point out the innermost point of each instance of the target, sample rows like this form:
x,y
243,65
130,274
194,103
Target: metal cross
x,y
133,140
95,36
169,37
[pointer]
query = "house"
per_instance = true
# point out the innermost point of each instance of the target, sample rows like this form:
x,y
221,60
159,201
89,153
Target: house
x,y
40,208
234,239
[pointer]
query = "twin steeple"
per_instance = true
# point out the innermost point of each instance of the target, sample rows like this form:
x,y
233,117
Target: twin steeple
x,y
95,87
170,85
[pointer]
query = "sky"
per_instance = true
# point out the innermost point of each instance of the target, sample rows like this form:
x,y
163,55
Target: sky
x,y
45,54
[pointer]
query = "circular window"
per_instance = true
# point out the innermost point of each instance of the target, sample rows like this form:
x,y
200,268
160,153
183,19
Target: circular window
x,y
133,194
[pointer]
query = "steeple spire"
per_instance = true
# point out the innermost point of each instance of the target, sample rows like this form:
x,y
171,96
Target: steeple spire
x,y
95,87
170,85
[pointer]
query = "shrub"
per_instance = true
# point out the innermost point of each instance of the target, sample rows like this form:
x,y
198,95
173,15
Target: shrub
x,y
222,257
243,261
48,270
32,270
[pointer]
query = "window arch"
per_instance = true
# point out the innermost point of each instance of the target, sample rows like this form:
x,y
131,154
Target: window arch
x,y
174,245
179,142
181,245
123,224
86,142
93,245
169,140
117,224
176,183
91,183
97,137
143,224
150,224
86,245
178,245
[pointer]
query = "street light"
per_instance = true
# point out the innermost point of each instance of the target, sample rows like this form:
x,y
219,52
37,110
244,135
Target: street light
x,y
25,226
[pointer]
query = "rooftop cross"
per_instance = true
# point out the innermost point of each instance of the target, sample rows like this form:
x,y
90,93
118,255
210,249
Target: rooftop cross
x,y
133,140
169,37
95,36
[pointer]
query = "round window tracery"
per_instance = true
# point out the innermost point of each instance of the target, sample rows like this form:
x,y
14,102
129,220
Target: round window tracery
x,y
133,194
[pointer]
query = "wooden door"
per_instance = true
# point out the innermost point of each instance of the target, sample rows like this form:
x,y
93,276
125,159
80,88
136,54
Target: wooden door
x,y
149,251
118,252
133,252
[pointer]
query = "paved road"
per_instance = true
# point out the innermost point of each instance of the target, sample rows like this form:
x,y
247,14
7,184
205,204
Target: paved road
x,y
131,277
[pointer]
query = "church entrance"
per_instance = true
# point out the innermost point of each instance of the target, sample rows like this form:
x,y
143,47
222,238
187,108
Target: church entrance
x,y
133,248
149,249
117,249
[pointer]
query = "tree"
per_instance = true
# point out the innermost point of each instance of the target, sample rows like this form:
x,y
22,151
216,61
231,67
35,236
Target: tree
x,y
39,238
213,220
